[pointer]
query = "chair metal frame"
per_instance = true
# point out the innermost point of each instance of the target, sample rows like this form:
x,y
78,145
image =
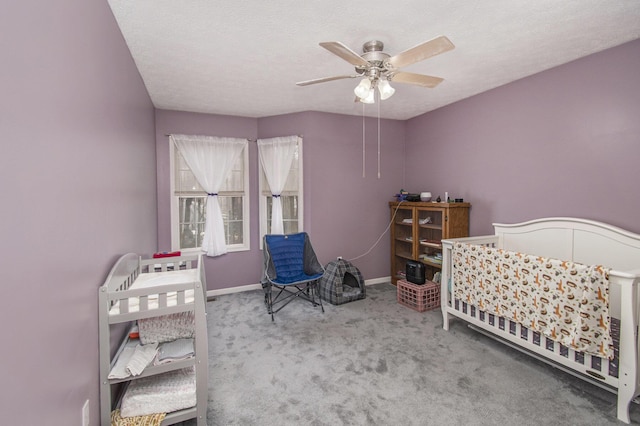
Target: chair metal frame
x,y
286,292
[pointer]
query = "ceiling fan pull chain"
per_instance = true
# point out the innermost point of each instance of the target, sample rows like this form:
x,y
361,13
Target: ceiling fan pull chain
x,y
363,144
378,140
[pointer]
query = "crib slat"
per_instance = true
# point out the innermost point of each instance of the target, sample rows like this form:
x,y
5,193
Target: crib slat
x,y
162,300
596,363
524,333
124,306
144,303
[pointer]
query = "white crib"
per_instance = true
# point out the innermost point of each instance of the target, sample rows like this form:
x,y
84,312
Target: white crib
x,y
575,240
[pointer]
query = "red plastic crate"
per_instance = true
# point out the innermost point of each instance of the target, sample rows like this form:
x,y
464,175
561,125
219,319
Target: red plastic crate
x,y
419,297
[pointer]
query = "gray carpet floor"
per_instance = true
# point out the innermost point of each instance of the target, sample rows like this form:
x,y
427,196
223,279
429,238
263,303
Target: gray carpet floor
x,y
376,362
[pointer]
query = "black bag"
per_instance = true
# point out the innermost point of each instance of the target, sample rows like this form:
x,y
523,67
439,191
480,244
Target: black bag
x,y
415,272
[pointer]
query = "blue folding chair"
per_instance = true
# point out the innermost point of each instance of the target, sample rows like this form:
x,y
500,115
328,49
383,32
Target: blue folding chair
x,y
291,271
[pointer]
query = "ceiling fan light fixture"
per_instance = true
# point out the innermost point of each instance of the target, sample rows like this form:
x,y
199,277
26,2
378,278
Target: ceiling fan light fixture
x,y
362,90
386,91
370,98
379,68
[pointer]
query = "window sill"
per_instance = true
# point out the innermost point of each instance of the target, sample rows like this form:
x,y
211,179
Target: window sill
x,y
230,249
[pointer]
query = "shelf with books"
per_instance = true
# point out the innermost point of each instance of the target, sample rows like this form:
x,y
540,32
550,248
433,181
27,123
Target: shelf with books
x,y
417,232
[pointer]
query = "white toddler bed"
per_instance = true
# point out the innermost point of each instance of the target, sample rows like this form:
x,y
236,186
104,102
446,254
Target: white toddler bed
x,y
502,285
166,299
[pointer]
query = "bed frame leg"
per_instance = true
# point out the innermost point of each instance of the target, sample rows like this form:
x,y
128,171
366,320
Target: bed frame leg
x,y
623,407
626,386
444,304
629,348
445,319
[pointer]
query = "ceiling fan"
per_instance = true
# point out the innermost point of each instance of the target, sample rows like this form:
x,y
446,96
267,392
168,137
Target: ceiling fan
x,y
379,68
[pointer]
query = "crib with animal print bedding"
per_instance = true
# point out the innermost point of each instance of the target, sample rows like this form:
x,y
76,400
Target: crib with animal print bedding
x,y
564,290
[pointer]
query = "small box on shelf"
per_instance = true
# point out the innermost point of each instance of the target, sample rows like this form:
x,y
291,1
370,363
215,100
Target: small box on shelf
x,y
419,297
162,254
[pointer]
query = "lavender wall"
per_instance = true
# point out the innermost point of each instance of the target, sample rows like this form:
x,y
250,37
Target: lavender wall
x,y
78,167
344,213
564,142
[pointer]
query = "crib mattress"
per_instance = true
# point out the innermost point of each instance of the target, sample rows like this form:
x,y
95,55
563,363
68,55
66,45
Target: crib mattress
x,y
154,279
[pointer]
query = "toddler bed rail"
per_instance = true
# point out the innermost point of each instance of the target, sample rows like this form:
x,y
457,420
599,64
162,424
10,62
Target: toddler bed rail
x,y
581,242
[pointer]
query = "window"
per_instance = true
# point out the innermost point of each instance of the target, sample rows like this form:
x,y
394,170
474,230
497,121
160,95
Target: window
x,y
291,197
189,205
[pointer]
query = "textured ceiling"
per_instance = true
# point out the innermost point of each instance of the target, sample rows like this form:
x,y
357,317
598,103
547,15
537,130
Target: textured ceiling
x,y
243,58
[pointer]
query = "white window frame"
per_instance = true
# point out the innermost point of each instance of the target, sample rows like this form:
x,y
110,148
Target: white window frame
x,y
263,198
175,208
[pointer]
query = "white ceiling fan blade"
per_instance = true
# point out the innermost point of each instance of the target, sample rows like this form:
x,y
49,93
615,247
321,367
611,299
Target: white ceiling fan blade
x,y
325,79
417,79
421,52
345,53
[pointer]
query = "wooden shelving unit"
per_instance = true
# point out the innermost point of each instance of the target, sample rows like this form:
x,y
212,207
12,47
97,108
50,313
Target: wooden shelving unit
x,y
417,231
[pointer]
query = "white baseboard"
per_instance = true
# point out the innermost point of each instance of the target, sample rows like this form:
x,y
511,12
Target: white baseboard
x,y
239,289
377,280
231,290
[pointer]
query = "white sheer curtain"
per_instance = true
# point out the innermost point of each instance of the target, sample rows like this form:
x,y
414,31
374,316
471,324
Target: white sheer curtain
x,y
276,155
211,159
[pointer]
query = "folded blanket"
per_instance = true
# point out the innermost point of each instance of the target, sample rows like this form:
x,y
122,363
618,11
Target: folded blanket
x,y
119,370
133,359
176,350
149,420
162,393
142,356
167,328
